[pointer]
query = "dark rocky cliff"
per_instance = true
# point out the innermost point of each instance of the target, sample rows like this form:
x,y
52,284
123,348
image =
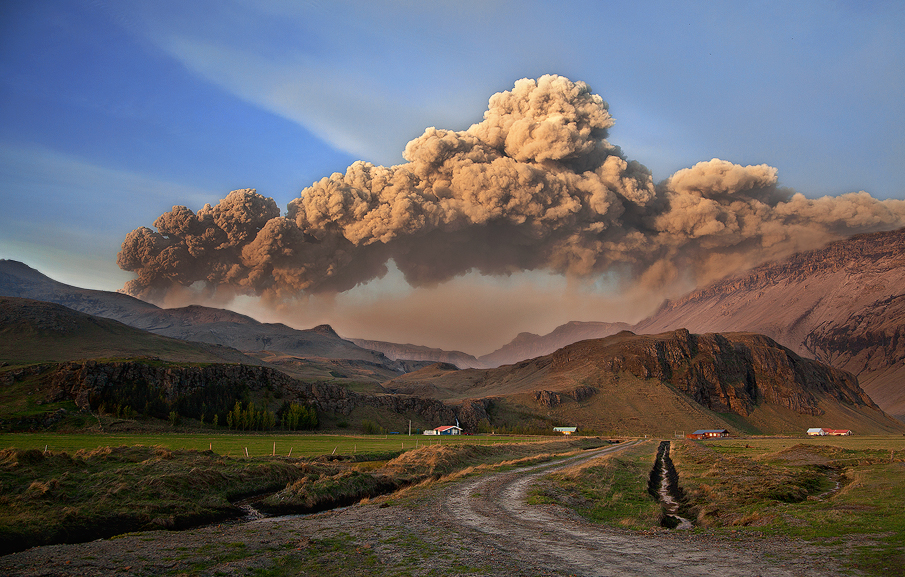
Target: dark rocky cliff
x,y
725,373
154,388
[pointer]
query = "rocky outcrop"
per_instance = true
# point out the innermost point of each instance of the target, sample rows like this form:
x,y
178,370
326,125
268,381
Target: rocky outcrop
x,y
730,373
581,394
871,339
548,399
552,399
871,344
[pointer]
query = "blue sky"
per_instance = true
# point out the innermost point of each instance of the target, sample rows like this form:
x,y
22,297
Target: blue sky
x,y
113,112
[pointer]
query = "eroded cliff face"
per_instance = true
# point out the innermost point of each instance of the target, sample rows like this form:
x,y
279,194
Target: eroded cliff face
x,y
870,339
871,344
155,387
876,253
730,373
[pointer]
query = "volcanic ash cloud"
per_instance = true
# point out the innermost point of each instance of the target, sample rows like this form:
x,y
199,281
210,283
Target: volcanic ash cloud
x,y
534,186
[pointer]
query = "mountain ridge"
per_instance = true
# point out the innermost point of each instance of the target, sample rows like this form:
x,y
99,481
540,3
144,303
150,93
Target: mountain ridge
x,y
740,381
624,382
38,331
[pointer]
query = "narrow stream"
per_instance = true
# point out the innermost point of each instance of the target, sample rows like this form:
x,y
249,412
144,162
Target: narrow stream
x,y
668,488
249,508
251,513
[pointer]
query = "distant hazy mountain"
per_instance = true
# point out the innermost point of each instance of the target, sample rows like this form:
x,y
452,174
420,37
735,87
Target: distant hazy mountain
x,y
20,280
844,305
419,353
529,345
192,323
663,383
38,331
523,346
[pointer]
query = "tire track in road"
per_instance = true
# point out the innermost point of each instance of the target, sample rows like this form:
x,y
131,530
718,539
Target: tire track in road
x,y
550,538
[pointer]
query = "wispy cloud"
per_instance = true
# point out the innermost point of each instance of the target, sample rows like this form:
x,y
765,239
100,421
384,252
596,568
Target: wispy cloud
x,y
365,91
69,213
364,77
65,182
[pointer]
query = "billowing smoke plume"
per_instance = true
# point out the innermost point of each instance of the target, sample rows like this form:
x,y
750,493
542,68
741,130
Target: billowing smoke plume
x,y
534,186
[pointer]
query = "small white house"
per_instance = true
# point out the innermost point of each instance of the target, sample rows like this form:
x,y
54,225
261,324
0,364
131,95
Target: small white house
x,y
444,430
565,430
817,431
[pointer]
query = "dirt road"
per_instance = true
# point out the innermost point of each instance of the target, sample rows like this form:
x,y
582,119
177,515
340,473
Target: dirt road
x,y
495,505
477,526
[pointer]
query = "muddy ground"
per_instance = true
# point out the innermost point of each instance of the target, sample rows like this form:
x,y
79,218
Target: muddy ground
x,y
474,526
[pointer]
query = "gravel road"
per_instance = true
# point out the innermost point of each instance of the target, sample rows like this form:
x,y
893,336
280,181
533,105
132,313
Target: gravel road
x,y
476,526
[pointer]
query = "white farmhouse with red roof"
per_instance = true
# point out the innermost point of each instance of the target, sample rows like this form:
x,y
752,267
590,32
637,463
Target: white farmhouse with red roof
x,y
444,430
822,432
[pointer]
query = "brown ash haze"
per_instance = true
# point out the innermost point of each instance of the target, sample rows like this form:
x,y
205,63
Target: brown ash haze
x,y
534,186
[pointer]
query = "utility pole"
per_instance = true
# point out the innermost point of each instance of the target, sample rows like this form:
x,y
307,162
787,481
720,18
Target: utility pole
x,y
410,427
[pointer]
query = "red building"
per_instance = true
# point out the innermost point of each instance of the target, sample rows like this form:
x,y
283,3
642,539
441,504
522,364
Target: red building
x,y
707,434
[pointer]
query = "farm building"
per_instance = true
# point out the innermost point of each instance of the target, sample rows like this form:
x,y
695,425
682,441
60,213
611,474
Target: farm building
x,y
444,430
822,432
707,434
565,430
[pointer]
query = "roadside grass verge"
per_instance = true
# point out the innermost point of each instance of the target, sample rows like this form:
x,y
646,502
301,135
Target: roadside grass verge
x,y
316,492
612,489
849,495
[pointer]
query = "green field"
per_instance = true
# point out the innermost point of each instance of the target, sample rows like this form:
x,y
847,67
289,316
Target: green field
x,y
757,446
844,492
234,445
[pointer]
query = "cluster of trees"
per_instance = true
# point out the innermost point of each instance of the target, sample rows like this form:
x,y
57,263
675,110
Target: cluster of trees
x,y
134,398
118,411
291,416
297,417
250,418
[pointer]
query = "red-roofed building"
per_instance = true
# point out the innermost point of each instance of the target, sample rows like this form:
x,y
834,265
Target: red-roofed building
x,y
444,430
823,431
707,434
